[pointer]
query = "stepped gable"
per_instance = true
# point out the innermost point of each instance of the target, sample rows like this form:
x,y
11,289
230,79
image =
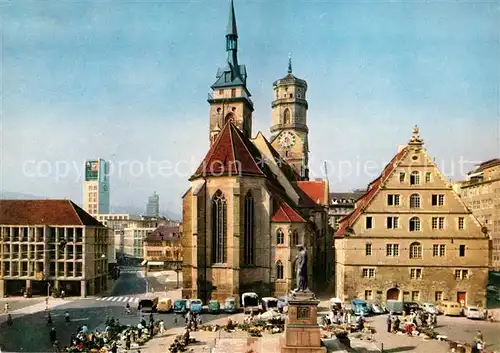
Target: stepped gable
x,y
232,154
45,212
373,189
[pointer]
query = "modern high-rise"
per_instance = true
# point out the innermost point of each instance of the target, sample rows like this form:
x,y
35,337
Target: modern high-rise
x,y
96,186
153,207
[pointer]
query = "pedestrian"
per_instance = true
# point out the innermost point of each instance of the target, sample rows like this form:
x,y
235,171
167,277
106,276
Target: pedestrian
x,y
127,343
389,322
162,327
6,307
474,347
139,330
176,320
49,319
52,335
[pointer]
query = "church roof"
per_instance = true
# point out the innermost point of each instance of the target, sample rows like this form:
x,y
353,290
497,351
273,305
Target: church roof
x,y
284,213
232,154
373,188
315,192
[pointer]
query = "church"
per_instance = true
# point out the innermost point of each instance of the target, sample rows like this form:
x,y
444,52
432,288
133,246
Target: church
x,y
251,203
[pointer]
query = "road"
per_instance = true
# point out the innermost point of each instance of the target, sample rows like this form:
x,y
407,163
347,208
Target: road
x,y
30,333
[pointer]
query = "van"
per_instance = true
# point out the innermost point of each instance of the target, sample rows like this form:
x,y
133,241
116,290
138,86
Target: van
x,y
164,305
148,305
450,308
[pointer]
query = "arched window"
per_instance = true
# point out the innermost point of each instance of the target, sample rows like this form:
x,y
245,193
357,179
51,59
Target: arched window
x,y
280,273
286,117
414,224
219,228
280,236
249,229
414,178
295,237
415,201
415,250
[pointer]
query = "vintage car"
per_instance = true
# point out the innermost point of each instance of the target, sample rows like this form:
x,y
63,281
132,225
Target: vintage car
x,y
165,305
335,304
474,313
450,308
360,307
430,308
250,302
213,307
148,305
377,308
230,305
394,306
195,306
269,303
180,306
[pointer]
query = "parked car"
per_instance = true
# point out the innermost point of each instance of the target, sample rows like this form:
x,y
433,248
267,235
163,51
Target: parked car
x,y
408,307
360,307
450,308
213,307
230,305
180,306
474,313
430,308
269,303
250,302
377,308
335,303
195,306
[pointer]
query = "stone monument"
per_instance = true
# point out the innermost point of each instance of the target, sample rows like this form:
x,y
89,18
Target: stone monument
x,y
302,332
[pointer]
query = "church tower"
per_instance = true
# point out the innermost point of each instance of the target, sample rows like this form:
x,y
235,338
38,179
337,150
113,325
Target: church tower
x,y
230,98
289,122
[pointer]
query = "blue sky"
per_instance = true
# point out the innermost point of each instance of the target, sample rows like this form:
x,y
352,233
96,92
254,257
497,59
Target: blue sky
x,y
128,81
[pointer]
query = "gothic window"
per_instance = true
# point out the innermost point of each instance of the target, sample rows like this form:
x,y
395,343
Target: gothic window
x,y
295,237
414,224
280,273
280,236
249,229
415,250
415,201
219,228
286,117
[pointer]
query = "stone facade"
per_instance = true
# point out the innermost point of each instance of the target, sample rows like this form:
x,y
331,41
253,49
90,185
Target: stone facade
x,y
411,237
247,209
481,193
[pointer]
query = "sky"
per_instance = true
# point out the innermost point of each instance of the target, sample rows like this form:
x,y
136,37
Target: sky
x,y
127,81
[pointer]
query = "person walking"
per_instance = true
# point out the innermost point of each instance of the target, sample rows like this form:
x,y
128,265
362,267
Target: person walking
x,y
52,335
162,327
389,322
6,308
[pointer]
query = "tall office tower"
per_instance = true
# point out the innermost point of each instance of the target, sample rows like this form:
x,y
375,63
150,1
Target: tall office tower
x,y
96,187
153,207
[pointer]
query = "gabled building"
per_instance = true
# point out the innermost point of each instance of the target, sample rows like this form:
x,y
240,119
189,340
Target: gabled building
x,y
248,209
410,237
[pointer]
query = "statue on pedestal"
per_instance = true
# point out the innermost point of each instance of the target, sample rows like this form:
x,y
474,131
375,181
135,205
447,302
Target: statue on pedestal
x,y
301,270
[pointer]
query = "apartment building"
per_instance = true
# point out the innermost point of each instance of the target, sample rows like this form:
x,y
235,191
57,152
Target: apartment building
x,y
340,205
481,193
47,244
411,237
163,249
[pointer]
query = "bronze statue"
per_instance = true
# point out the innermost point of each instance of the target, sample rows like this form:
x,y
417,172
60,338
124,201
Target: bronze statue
x,y
301,270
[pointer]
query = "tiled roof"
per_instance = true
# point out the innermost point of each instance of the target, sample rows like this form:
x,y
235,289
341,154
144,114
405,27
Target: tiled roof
x,y
346,195
487,164
286,168
45,212
314,192
373,189
283,212
231,154
164,233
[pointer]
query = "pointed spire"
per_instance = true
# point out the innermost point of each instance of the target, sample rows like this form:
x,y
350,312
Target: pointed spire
x,y
231,25
290,63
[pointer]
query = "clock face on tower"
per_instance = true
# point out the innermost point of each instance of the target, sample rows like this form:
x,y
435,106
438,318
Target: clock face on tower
x,y
287,139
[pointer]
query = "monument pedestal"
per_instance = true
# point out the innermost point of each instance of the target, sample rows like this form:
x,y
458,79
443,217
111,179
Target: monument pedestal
x,y
302,332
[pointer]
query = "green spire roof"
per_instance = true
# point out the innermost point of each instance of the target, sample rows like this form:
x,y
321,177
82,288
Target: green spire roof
x,y
232,30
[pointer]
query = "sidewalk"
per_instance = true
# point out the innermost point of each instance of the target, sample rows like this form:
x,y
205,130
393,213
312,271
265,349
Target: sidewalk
x,y
35,308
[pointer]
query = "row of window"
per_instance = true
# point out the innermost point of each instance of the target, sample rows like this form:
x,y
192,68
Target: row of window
x,y
415,200
415,295
414,273
415,250
294,237
415,177
414,224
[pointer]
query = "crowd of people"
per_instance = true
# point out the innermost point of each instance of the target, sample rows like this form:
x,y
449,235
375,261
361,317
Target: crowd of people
x,y
410,323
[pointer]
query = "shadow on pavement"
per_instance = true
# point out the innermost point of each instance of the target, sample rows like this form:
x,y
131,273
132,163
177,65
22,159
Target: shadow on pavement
x,y
400,349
